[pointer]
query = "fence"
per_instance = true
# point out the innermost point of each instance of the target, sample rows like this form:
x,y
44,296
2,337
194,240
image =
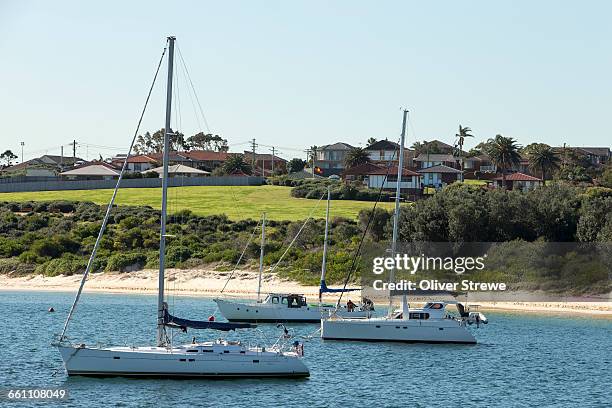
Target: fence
x,y
57,184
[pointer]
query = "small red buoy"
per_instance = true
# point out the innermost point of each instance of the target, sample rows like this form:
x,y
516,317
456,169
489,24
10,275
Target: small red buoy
x,y
211,318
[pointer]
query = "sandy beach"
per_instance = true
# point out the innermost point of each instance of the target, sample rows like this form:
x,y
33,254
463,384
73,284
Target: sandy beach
x,y
208,283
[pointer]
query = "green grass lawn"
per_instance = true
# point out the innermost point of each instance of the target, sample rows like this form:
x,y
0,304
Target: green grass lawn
x,y
238,202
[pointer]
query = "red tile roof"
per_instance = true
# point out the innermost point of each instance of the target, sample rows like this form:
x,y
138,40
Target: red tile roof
x,y
518,177
361,169
205,155
392,171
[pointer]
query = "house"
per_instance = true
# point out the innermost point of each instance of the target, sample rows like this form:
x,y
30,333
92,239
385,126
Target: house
x,y
330,158
519,181
597,155
360,172
178,170
206,159
425,160
200,159
44,166
385,151
439,175
386,177
266,164
481,163
437,146
95,170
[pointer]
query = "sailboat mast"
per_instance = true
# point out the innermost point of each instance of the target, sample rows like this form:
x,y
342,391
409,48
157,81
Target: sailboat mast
x,y
261,255
324,262
161,331
396,213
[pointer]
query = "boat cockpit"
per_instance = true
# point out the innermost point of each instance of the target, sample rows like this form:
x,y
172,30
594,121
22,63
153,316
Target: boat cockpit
x,y
288,300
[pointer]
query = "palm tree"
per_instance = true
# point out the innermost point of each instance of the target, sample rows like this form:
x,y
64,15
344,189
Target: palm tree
x,y
542,157
371,141
463,133
235,162
504,152
355,157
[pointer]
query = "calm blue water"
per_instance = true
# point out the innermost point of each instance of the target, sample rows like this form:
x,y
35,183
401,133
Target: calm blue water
x,y
526,360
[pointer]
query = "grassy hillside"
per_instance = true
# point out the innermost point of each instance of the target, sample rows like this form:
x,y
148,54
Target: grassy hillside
x,y
239,202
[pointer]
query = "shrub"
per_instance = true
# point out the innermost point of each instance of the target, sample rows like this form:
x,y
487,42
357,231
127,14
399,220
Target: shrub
x,y
10,247
177,254
126,262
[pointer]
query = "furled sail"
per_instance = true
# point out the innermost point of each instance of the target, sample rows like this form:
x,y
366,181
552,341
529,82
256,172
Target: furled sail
x,y
177,322
325,289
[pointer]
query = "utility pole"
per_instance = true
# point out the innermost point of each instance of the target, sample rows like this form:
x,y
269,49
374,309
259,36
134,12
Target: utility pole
x,y
22,144
74,143
273,158
62,157
253,146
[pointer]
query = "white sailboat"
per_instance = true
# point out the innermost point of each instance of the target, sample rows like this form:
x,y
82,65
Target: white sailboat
x,y
291,307
219,358
429,324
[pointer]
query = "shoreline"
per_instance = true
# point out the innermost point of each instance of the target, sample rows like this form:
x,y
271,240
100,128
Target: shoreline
x,y
208,283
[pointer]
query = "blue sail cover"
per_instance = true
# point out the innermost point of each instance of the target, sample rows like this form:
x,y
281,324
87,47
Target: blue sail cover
x,y
176,322
325,289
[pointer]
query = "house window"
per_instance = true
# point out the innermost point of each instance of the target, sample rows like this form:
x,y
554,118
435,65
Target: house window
x,y
137,166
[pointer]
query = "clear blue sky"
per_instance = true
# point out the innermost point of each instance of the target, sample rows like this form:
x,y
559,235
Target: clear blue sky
x,y
301,73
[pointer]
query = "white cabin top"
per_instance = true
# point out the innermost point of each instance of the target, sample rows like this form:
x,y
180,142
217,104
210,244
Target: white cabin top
x,y
286,299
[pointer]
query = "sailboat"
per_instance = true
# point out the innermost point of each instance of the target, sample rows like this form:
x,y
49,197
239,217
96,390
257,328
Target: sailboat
x,y
218,358
428,324
292,307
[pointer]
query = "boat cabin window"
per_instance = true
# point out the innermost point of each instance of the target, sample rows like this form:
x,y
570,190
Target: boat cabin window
x,y
284,301
436,306
275,299
296,301
419,316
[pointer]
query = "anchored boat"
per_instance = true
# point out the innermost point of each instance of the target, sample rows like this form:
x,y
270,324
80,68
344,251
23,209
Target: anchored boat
x,y
292,307
219,358
430,324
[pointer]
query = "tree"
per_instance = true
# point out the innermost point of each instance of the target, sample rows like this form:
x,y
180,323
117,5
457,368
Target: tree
x,y
236,163
542,157
355,157
207,141
504,152
296,164
463,133
154,143
8,156
371,141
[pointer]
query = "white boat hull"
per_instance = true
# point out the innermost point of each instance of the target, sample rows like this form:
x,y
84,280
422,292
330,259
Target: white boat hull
x,y
265,312
219,362
408,331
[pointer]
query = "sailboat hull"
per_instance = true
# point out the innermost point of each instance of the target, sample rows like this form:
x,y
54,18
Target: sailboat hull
x,y
157,362
269,313
395,330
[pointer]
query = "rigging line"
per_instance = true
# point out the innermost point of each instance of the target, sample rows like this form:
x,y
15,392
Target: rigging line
x,y
112,201
358,252
193,87
298,234
241,256
193,105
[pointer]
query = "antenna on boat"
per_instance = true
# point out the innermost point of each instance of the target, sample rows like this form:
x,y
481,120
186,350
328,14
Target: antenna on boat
x,y
261,255
396,213
161,329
